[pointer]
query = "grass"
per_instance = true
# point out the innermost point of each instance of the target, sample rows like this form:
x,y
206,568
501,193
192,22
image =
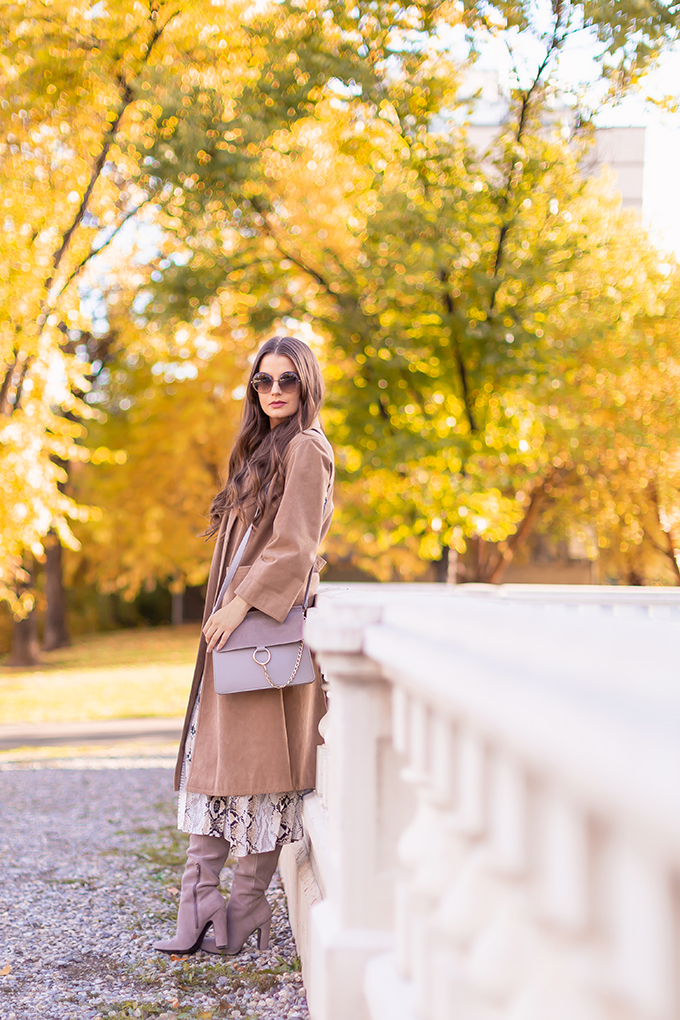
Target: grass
x,y
166,851
125,674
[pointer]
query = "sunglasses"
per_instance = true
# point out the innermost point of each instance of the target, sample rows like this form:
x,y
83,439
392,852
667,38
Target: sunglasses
x,y
288,382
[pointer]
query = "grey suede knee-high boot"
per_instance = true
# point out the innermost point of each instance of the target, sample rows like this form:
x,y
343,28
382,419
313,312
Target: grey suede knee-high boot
x,y
201,902
248,909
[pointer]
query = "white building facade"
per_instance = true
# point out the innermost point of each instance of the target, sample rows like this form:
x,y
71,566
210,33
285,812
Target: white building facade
x,y
645,160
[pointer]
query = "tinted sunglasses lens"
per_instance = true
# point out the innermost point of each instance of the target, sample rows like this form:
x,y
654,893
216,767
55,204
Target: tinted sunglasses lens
x,y
262,382
288,382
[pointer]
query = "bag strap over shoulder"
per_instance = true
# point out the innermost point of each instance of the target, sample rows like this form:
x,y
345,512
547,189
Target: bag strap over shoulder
x,y
233,567
235,563
238,556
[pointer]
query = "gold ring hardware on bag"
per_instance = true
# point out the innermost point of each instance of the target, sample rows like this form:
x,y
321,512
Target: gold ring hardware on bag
x,y
279,687
266,661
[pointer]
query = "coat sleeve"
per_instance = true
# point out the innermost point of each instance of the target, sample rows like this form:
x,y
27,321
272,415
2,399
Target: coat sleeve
x,y
274,580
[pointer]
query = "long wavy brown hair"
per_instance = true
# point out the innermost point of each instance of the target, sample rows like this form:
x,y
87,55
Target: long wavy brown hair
x,y
256,461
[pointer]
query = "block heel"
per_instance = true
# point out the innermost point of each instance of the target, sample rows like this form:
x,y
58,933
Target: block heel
x,y
219,923
263,935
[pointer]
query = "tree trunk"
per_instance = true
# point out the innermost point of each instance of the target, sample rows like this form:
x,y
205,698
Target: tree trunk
x,y
25,648
441,566
671,551
491,559
452,572
177,616
56,633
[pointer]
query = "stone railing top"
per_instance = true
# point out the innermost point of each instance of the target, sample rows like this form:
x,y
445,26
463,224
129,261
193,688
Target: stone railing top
x,y
603,594
561,591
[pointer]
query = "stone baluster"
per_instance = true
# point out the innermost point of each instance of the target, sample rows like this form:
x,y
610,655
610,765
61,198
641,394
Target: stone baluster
x,y
446,767
637,899
366,808
323,752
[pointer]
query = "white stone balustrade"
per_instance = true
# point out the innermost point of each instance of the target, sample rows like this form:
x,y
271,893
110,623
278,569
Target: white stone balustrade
x,y
495,833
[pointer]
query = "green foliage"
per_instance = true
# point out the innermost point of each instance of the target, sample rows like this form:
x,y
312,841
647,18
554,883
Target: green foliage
x,y
464,299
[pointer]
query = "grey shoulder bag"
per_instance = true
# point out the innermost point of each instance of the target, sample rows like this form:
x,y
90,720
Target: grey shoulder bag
x,y
262,652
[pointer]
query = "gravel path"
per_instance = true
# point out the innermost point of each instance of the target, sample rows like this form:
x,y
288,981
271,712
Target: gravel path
x,y
90,865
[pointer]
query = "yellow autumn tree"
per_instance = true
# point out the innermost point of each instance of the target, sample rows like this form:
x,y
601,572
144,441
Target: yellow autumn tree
x,y
279,163
175,412
89,92
70,82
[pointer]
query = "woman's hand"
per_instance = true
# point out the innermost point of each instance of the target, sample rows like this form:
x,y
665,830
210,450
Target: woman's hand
x,y
224,622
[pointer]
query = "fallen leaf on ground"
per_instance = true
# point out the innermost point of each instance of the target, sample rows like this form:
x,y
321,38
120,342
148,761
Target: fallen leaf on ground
x,y
5,970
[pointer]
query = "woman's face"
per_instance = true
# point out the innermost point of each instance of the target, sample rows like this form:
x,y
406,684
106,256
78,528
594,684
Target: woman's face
x,y
277,405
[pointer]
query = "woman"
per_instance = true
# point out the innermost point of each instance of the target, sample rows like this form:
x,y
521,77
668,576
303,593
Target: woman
x,y
246,758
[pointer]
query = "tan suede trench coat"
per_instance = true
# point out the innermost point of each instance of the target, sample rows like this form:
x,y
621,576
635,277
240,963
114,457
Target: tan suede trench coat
x,y
265,741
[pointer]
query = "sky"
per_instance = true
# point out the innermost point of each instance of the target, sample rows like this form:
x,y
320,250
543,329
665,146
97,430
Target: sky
x,y
578,68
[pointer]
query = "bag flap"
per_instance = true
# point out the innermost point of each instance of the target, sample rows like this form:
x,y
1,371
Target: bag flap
x,y
260,630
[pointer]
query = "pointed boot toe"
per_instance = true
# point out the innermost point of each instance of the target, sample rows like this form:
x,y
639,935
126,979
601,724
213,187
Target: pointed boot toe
x,y
208,945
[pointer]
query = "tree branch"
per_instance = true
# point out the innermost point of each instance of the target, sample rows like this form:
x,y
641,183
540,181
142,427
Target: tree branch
x,y
462,371
127,96
108,141
95,251
512,178
7,382
526,526
20,385
294,258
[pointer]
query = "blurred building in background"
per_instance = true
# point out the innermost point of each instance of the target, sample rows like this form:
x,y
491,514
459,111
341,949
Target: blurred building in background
x,y
644,159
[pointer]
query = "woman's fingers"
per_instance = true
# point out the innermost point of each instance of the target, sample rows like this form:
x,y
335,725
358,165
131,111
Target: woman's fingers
x,y
211,632
212,625
219,640
215,635
223,623
214,639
